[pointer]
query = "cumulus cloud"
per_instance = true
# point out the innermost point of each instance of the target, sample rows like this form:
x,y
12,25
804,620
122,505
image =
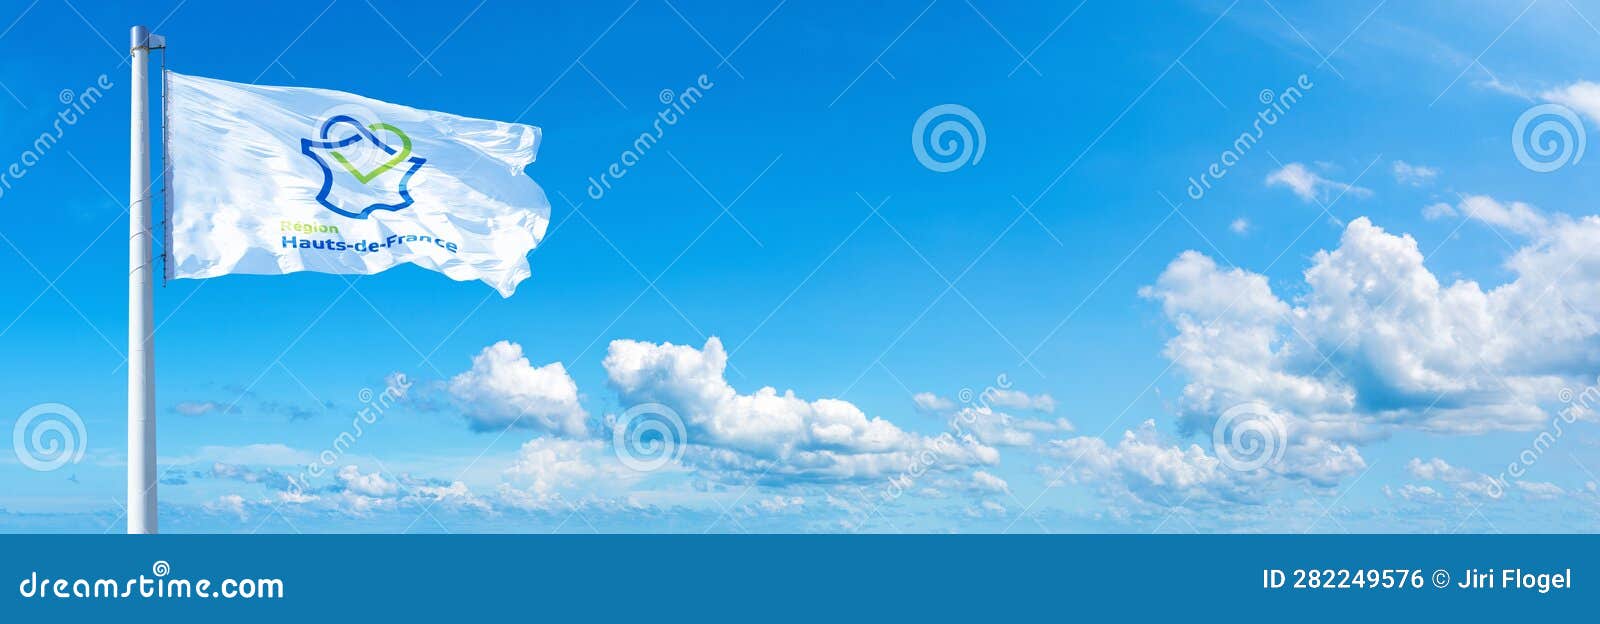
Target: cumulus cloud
x,y
1413,175
504,389
1375,343
1582,96
1310,186
356,493
552,471
771,435
1240,226
374,485
986,482
1144,467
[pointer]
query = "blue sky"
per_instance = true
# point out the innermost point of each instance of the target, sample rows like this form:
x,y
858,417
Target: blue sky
x,y
1379,278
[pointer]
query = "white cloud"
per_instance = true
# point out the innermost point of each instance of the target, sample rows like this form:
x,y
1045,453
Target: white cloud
x,y
1001,429
271,478
1541,490
986,482
1512,217
373,485
990,397
1494,84
1412,492
550,470
1516,217
779,504
1402,350
1017,399
932,403
1149,470
502,388
231,504
1437,469
1240,226
1471,483
359,494
1582,96
1309,186
1465,481
776,436
1373,343
1413,175
201,408
1438,210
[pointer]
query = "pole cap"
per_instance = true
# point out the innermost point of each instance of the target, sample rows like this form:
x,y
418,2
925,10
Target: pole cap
x,y
140,37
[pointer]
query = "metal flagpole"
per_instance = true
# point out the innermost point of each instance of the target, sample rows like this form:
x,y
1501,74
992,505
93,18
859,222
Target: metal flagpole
x,y
141,361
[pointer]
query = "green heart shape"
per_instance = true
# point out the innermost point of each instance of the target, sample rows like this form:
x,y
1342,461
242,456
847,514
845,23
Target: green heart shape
x,y
405,152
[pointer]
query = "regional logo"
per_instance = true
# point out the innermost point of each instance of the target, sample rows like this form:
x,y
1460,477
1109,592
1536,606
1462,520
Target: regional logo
x,y
379,169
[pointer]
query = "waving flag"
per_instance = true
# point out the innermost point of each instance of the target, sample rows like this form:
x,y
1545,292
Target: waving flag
x,y
272,180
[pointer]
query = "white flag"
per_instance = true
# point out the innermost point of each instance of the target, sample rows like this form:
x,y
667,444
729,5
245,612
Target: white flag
x,y
272,180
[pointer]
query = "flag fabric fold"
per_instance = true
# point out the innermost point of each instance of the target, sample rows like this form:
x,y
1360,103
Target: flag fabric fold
x,y
271,180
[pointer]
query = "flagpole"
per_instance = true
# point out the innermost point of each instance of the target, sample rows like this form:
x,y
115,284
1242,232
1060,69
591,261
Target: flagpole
x,y
141,361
